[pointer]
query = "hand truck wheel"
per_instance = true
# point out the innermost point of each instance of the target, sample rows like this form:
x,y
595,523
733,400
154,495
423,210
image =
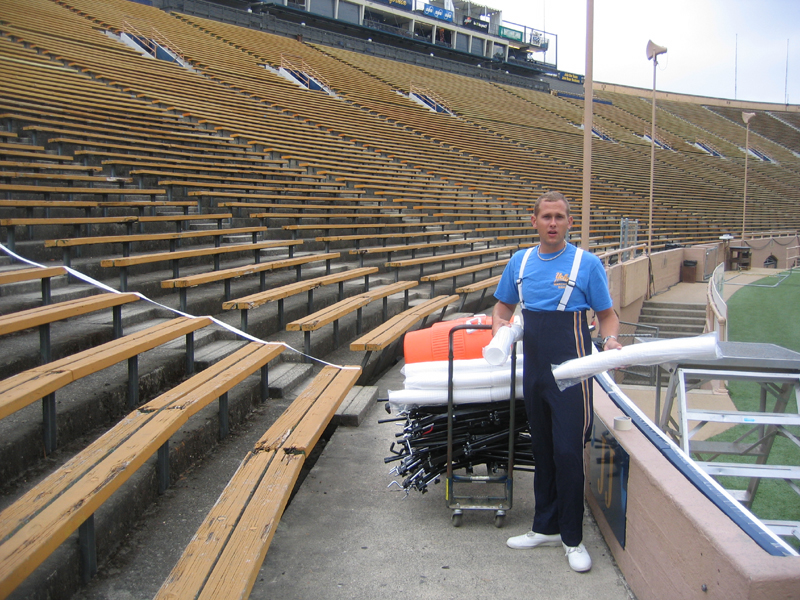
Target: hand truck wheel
x,y
499,518
457,518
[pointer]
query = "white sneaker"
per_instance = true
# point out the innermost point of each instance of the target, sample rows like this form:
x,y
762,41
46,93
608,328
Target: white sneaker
x,y
533,540
579,559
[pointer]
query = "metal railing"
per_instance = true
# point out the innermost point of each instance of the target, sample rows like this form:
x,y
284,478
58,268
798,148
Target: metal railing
x,y
420,91
155,37
605,256
304,71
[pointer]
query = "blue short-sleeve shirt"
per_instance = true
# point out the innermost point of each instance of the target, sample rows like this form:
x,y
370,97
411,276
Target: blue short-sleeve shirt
x,y
544,281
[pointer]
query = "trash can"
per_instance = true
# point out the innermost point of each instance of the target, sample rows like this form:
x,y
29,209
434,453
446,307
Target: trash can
x,y
689,271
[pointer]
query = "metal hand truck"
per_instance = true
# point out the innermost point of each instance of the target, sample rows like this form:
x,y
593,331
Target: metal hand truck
x,y
500,503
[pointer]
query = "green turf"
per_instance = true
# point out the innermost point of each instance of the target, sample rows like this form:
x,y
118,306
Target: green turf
x,y
765,314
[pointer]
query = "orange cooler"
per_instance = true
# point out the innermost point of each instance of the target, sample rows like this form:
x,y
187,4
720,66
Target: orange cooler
x,y
430,344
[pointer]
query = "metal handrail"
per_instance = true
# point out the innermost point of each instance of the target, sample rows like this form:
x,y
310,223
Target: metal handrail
x,y
423,91
156,36
297,64
606,255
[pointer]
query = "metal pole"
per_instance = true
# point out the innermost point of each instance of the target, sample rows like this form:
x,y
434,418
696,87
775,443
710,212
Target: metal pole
x,y
746,153
588,94
652,164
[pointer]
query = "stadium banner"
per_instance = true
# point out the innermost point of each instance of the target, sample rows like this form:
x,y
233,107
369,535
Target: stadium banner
x,y
403,4
571,77
511,34
475,24
438,13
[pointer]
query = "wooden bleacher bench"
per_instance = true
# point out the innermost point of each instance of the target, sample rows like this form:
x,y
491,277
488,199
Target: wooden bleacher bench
x,y
128,239
105,192
280,293
385,237
18,391
29,205
482,286
334,312
36,165
443,258
22,153
266,216
43,518
175,257
44,315
224,557
18,145
277,168
8,175
31,274
239,206
312,187
274,197
76,222
225,275
455,273
387,332
182,220
266,176
389,250
354,226
151,205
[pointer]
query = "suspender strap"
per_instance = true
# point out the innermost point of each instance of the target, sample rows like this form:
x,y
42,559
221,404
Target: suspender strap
x,y
521,271
573,276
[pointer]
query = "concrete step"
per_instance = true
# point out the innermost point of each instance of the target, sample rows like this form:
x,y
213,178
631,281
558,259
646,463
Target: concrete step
x,y
672,320
284,377
205,225
29,287
240,239
672,312
215,352
354,407
688,306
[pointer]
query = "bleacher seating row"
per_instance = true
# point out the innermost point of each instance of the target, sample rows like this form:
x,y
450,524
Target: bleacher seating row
x,y
153,178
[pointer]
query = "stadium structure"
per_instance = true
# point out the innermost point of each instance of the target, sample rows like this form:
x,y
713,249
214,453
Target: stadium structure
x,y
214,207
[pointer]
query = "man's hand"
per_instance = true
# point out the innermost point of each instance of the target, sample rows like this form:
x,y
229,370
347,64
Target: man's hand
x,y
501,316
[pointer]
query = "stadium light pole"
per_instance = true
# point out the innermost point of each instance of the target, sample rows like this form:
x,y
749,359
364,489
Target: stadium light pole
x,y
588,107
746,116
653,52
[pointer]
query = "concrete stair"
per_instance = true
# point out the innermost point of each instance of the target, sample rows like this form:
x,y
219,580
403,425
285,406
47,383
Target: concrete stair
x,y
674,320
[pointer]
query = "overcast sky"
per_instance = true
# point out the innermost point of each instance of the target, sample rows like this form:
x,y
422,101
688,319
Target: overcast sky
x,y
700,35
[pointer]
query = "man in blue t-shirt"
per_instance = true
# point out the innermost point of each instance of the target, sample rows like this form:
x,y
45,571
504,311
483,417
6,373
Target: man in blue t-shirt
x,y
556,291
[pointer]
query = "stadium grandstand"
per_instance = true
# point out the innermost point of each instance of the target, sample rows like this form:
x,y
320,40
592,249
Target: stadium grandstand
x,y
218,222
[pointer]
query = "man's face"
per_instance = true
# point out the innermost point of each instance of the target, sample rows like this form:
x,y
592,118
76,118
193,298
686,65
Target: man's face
x,y
552,223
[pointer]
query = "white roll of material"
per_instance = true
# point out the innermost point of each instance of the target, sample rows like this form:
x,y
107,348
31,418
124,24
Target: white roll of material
x,y
460,396
498,350
701,347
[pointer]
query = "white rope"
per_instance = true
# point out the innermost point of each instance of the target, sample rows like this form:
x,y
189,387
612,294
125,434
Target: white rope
x,y
231,328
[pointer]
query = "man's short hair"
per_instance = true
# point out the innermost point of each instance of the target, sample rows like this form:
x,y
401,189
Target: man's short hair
x,y
550,197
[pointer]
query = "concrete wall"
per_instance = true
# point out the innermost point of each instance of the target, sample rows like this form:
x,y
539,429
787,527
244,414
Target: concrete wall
x,y
678,544
764,248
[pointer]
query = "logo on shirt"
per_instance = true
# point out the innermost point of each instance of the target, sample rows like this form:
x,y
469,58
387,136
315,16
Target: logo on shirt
x,y
561,280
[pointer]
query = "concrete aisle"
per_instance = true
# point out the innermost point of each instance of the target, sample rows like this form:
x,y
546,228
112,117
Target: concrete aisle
x,y
346,535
